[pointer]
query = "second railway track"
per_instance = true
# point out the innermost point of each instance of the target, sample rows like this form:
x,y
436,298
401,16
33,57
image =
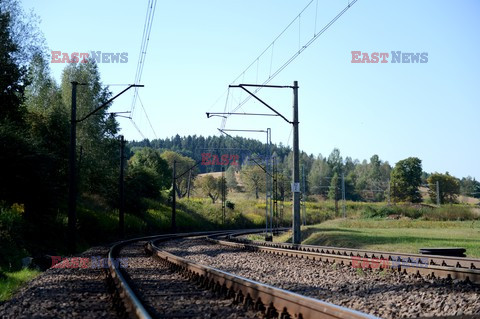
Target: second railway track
x,y
387,293
199,277
453,268
156,290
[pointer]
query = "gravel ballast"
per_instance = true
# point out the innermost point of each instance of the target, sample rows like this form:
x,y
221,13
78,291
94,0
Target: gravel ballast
x,y
387,294
64,293
167,294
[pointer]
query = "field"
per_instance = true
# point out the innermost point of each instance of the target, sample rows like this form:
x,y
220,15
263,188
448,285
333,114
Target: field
x,y
402,235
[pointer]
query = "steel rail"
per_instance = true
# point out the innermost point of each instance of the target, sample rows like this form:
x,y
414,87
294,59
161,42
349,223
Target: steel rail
x,y
275,302
447,261
465,269
129,299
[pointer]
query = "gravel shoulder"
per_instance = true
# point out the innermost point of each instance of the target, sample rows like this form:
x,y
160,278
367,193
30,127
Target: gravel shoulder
x,y
64,293
386,294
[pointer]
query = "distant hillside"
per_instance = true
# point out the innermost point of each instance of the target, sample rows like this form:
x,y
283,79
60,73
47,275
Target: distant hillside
x,y
194,146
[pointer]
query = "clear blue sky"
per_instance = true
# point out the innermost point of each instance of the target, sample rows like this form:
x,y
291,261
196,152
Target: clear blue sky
x,y
197,48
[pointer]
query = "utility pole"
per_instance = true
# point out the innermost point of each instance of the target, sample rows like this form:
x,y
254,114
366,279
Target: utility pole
x,y
438,193
223,195
297,237
271,178
343,196
174,198
72,185
268,194
394,193
275,193
304,207
189,180
174,190
388,193
121,217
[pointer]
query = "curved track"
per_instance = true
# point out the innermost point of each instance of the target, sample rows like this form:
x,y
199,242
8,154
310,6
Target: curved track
x,y
455,268
265,299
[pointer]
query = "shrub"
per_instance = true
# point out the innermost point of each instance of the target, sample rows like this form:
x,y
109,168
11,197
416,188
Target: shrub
x,y
11,238
230,205
450,212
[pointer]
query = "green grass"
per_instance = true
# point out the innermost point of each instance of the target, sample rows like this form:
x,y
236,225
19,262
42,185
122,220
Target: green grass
x,y
14,280
402,235
205,214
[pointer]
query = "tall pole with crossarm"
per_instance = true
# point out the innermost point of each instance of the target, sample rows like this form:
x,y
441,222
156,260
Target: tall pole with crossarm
x,y
296,170
72,185
296,152
72,189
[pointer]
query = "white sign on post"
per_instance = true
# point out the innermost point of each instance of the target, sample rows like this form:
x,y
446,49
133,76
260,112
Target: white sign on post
x,y
295,187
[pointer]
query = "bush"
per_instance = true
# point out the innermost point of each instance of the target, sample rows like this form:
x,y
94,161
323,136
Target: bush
x,y
230,205
12,228
450,212
377,212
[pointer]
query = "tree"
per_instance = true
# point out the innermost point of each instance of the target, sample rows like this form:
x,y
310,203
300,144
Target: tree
x,y
211,186
150,159
183,164
284,188
253,177
406,178
230,178
25,32
147,174
12,76
335,161
470,187
350,192
372,179
333,192
98,145
29,173
449,187
318,176
140,182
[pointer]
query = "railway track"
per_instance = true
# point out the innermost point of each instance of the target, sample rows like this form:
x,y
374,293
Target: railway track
x,y
263,299
432,266
388,293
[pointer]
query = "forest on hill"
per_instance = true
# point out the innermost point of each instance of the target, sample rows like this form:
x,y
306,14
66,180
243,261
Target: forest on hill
x,y
366,180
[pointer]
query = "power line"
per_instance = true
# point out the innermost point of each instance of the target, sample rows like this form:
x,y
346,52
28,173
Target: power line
x,y
137,128
256,61
148,119
296,54
289,136
147,28
272,43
